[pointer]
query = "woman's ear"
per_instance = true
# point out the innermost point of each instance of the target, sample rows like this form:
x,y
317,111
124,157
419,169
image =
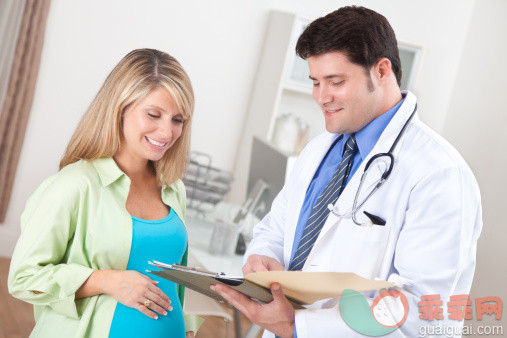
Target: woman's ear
x,y
126,109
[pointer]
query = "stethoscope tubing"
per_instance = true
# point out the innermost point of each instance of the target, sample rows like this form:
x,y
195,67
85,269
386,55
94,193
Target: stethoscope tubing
x,y
355,208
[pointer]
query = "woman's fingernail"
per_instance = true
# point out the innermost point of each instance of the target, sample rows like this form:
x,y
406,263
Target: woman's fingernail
x,y
170,308
165,313
155,317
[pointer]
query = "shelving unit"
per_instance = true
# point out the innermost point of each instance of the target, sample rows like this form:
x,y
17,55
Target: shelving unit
x,y
281,86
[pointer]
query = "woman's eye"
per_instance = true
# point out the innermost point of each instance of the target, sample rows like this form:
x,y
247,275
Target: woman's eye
x,y
154,115
178,120
337,83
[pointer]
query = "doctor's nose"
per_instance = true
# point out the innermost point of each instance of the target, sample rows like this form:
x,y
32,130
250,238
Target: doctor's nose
x,y
322,96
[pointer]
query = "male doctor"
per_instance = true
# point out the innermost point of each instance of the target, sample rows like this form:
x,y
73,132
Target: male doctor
x,y
423,221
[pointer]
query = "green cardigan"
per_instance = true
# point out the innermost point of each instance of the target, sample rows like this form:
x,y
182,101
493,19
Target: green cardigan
x,y
73,224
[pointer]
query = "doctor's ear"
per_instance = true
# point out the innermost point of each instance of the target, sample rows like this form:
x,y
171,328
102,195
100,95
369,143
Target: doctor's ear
x,y
382,70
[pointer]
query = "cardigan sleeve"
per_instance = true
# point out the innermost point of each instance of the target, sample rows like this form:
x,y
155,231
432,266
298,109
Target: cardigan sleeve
x,y
38,262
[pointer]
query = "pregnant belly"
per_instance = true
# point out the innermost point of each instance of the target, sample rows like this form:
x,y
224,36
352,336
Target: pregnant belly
x,y
129,322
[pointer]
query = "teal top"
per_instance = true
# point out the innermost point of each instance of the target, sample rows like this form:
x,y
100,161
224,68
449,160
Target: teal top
x,y
73,224
162,240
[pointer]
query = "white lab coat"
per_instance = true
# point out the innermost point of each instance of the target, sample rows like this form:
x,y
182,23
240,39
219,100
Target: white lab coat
x,y
431,203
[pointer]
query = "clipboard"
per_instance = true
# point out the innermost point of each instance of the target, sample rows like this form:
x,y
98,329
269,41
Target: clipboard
x,y
299,287
200,280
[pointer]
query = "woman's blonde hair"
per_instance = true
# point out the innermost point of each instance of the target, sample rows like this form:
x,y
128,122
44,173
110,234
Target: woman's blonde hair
x,y
100,131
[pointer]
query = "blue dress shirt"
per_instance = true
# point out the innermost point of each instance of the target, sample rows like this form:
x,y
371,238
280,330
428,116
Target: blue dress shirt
x,y
366,139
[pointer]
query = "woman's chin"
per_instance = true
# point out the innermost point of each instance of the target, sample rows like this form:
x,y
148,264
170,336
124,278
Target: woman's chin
x,y
155,157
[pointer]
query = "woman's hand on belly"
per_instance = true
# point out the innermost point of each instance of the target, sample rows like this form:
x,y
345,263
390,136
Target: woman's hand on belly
x,y
130,288
138,291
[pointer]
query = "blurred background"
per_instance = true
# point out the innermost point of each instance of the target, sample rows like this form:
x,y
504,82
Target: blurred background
x,y
239,56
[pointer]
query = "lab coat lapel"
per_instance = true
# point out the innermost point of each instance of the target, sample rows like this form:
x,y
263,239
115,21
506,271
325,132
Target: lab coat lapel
x,y
383,145
312,161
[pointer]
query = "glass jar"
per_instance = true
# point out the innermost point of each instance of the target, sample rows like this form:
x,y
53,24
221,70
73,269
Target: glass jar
x,y
286,133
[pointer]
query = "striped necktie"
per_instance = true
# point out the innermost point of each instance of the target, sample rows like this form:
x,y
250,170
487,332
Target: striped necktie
x,y
320,212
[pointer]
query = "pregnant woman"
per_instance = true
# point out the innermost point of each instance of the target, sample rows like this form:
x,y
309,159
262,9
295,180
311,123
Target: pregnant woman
x,y
117,202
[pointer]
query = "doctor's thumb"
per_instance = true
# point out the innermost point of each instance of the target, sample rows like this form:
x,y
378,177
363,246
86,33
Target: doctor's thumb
x,y
277,291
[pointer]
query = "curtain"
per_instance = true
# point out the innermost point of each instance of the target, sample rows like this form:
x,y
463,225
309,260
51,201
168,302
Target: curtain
x,y
18,97
11,12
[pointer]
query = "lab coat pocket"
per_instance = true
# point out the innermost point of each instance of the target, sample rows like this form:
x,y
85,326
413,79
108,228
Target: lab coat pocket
x,y
362,248
368,233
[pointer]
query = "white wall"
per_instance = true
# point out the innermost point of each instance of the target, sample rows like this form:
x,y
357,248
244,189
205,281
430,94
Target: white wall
x,y
218,43
477,126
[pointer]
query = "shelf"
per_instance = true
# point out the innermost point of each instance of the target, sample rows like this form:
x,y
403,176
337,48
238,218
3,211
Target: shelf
x,y
298,89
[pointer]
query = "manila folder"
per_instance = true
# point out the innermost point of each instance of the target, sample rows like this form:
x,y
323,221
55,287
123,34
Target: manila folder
x,y
309,287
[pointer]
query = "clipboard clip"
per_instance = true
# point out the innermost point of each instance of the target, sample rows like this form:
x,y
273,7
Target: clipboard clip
x,y
184,268
197,269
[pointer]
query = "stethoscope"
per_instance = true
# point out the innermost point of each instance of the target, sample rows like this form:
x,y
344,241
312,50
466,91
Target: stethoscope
x,y
386,157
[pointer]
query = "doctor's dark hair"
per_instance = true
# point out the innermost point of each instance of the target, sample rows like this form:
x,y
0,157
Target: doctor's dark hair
x,y
363,35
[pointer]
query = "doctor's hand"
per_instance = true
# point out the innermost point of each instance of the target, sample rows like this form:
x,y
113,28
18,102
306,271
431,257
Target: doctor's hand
x,y
257,263
277,316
